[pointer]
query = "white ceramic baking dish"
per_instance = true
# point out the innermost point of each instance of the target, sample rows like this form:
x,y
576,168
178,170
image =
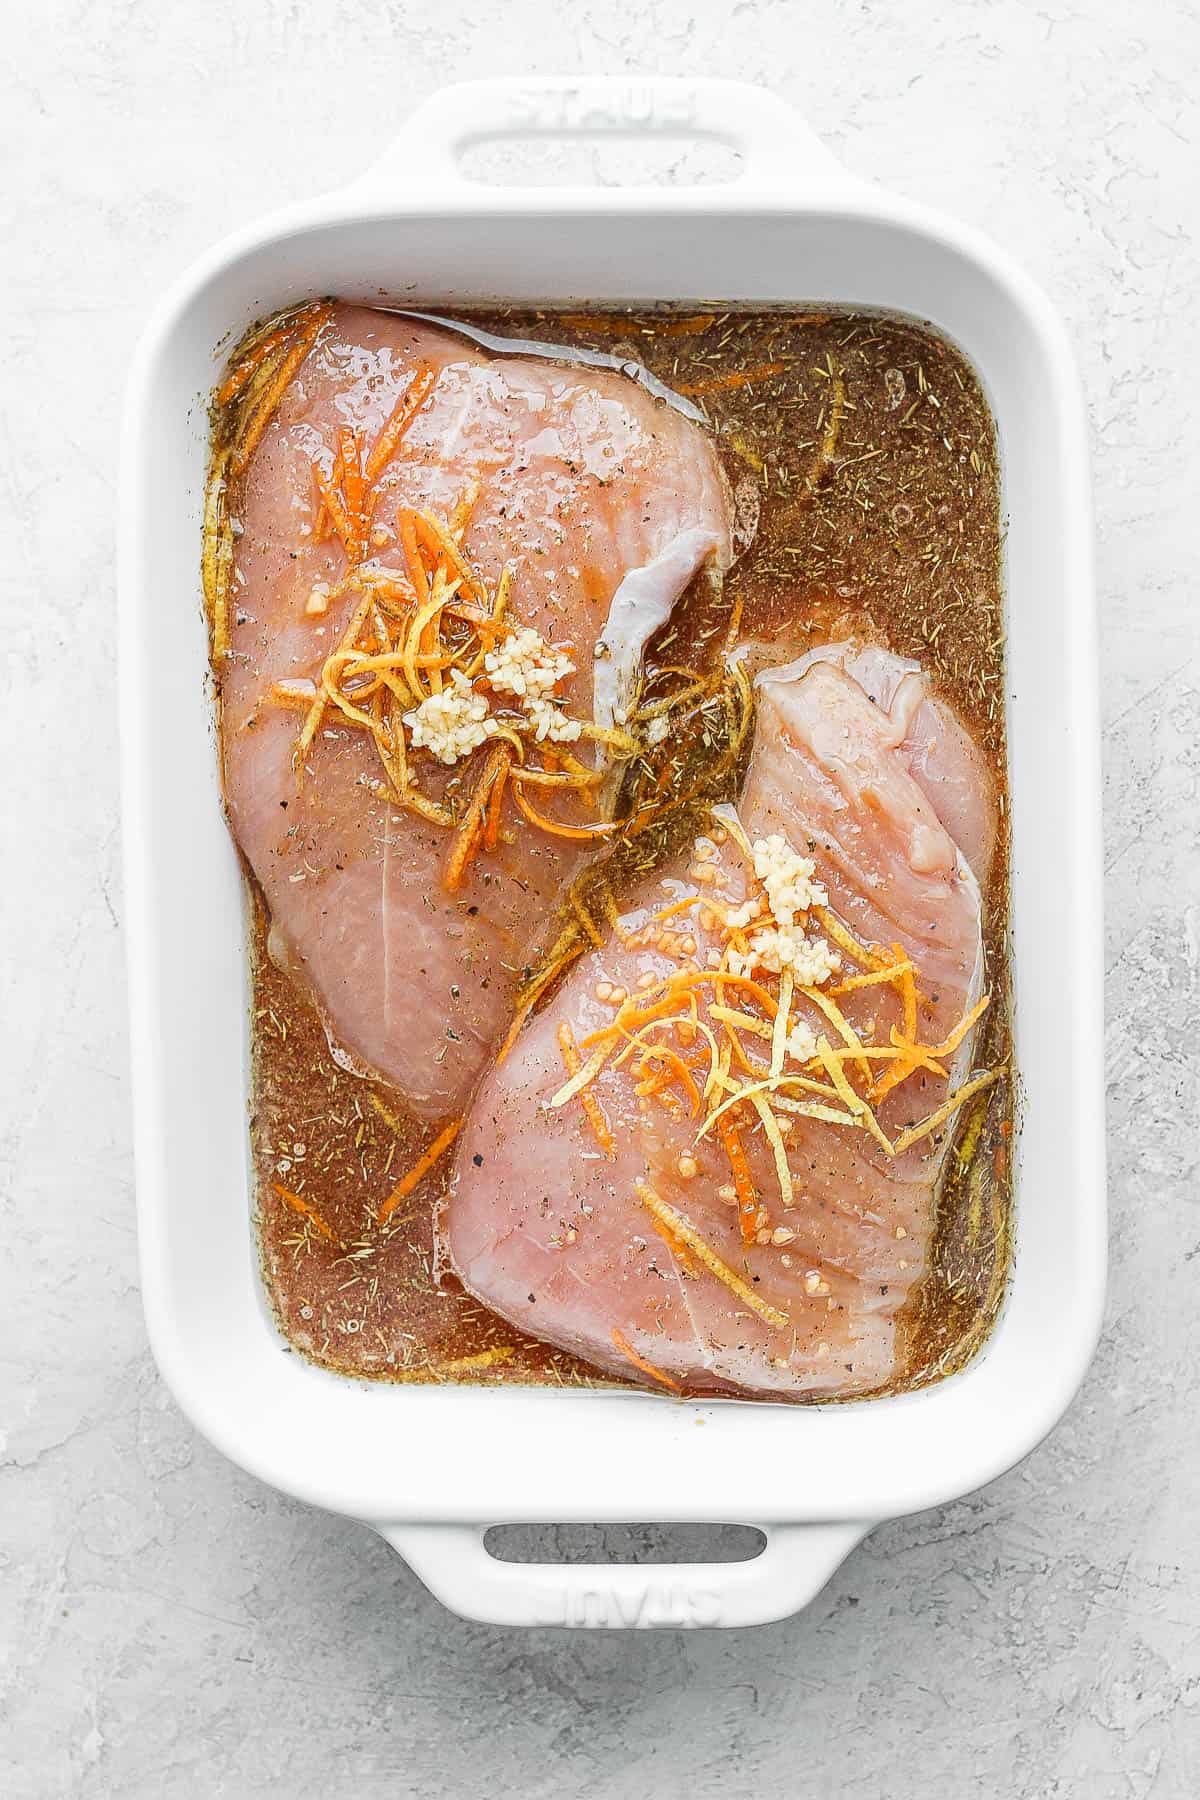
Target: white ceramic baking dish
x,y
431,1468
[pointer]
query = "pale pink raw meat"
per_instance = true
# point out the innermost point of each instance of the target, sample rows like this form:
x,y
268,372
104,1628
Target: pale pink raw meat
x,y
546,1230
585,476
943,757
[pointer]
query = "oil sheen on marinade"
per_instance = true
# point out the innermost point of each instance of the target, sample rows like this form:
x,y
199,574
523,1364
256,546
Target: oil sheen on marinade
x,y
864,447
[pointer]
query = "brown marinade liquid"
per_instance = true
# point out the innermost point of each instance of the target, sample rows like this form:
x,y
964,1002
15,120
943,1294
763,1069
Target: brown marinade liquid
x,y
898,537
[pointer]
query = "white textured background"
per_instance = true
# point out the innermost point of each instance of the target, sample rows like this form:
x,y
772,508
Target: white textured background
x,y
171,1630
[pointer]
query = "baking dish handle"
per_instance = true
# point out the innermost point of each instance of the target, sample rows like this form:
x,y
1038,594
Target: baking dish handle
x,y
455,1564
779,153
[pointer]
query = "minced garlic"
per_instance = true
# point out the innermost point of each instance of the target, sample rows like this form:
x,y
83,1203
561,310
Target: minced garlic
x,y
526,665
453,723
801,1045
549,723
811,960
744,914
788,878
777,948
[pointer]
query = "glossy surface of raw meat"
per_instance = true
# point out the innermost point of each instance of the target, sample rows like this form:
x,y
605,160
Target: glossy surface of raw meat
x,y
549,1230
584,476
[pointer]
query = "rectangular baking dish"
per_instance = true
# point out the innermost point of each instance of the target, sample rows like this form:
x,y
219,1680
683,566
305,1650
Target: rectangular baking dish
x,y
431,1468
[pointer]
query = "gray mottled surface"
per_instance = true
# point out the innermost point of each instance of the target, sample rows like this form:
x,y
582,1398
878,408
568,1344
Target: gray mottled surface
x,y
169,1629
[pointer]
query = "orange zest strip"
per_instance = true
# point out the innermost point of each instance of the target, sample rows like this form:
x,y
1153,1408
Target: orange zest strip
x,y
265,410
474,615
627,1020
675,1068
716,384
874,979
921,1055
260,352
597,1118
915,1132
553,826
654,1084
704,1253
434,535
908,993
402,415
841,1025
495,806
419,1170
738,1052
912,1057
961,1029
580,777
640,1009
354,488
924,1056
306,1209
845,939
413,560
743,1021
465,843
857,1107
331,503
470,833
514,1031
639,1362
316,711
254,358
678,906
743,1181
720,978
